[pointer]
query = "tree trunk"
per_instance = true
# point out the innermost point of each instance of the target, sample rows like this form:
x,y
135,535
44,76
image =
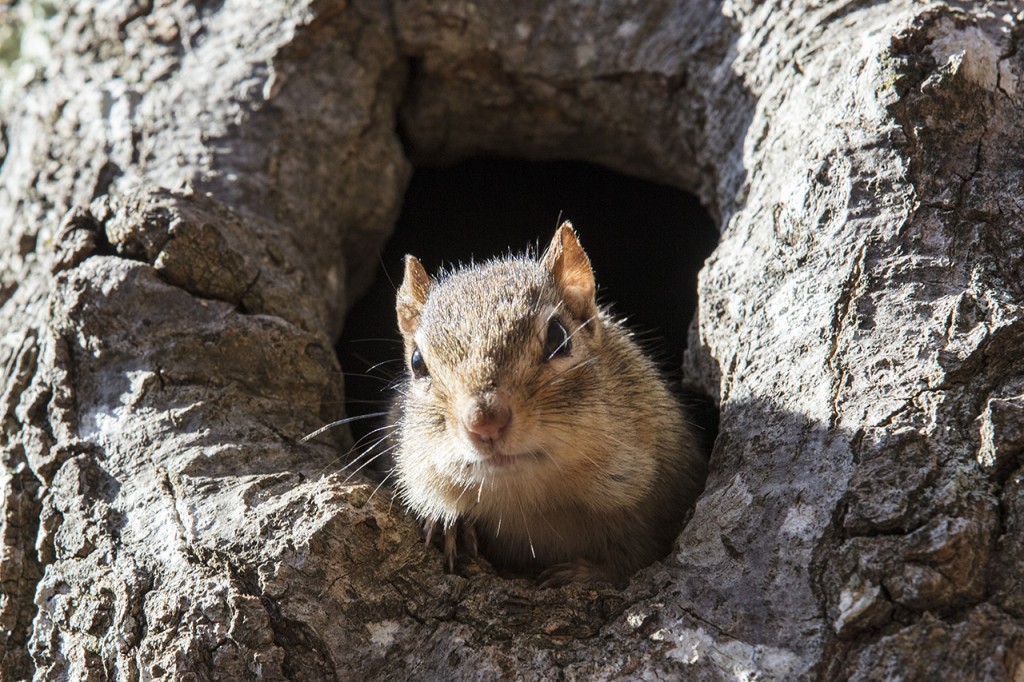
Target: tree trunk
x,y
193,194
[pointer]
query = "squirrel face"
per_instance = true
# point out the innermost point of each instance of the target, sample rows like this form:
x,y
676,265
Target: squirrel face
x,y
500,356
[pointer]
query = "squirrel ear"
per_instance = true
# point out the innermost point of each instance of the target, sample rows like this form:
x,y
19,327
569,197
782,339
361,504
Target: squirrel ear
x,y
570,267
412,295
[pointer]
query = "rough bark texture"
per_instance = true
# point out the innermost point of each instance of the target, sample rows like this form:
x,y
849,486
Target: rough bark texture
x,y
192,196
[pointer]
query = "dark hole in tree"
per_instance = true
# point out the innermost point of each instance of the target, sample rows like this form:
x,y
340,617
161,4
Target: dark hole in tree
x,y
646,242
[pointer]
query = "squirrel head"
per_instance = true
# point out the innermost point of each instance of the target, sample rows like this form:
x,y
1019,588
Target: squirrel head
x,y
491,346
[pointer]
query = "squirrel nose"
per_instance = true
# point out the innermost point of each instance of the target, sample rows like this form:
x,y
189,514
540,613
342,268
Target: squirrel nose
x,y
487,425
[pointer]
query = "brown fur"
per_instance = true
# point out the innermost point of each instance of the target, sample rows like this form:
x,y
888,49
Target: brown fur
x,y
597,467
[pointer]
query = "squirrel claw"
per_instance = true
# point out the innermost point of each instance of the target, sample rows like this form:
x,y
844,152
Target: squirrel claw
x,y
469,542
451,547
430,529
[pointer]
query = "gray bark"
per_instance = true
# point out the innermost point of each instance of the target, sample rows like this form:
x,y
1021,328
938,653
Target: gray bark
x,y
193,195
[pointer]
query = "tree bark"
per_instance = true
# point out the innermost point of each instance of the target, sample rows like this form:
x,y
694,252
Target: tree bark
x,y
194,193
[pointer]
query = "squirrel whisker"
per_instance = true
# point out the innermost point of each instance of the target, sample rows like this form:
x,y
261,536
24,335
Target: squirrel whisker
x,y
340,422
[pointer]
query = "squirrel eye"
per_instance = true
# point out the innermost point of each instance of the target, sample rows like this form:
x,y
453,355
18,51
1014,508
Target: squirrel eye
x,y
417,364
557,342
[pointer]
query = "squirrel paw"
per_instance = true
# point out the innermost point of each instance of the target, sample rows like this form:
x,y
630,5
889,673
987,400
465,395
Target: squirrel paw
x,y
462,534
576,571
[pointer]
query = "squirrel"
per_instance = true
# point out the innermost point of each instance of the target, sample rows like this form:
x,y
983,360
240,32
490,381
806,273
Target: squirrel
x,y
531,422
